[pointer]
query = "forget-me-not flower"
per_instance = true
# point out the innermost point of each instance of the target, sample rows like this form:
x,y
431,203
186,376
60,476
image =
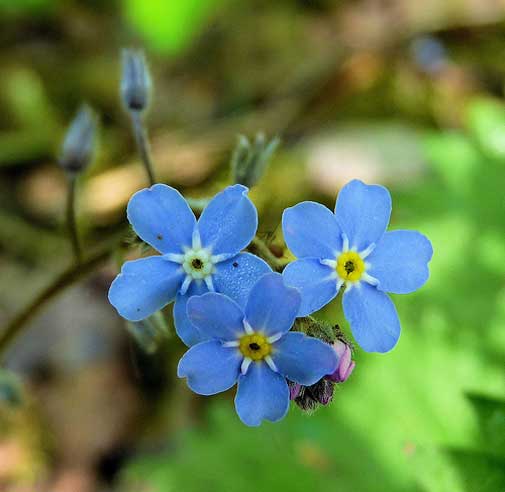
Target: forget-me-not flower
x,y
351,247
196,256
254,347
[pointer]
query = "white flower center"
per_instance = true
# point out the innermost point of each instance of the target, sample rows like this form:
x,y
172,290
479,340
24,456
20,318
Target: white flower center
x,y
198,263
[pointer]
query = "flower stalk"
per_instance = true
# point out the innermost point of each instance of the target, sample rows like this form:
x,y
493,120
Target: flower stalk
x,y
136,93
71,219
75,156
67,278
143,147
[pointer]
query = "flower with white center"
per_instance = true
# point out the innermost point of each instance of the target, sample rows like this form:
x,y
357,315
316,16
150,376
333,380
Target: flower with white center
x,y
252,346
351,247
196,256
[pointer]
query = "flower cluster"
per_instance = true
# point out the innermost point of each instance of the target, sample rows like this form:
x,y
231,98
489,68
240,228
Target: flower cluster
x,y
196,256
240,319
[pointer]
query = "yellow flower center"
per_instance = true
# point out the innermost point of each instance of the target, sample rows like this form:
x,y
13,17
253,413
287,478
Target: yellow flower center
x,y
350,266
255,346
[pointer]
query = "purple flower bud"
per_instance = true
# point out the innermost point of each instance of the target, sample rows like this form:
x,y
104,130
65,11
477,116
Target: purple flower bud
x,y
294,390
345,362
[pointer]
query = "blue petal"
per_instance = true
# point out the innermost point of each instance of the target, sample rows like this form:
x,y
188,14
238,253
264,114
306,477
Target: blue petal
x,y
373,318
261,394
311,230
363,212
302,359
400,261
210,367
272,306
161,217
316,283
236,276
144,286
229,221
188,332
216,316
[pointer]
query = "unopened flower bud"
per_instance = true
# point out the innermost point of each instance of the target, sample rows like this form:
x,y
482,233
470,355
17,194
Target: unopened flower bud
x,y
145,334
150,332
79,142
322,391
294,390
135,80
310,397
250,160
345,362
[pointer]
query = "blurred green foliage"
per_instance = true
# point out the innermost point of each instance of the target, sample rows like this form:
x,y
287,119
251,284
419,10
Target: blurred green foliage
x,y
20,7
168,26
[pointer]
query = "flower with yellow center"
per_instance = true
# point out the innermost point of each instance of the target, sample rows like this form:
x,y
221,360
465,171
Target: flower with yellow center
x,y
352,246
255,346
350,266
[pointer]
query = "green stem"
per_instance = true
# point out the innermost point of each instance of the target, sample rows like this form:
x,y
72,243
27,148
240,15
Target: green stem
x,y
70,276
71,219
143,147
259,248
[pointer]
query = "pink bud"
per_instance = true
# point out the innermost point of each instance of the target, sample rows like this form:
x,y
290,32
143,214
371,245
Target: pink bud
x,y
294,390
345,362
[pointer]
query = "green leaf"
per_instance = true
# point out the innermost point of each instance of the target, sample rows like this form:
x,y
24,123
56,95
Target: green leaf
x,y
491,418
479,472
169,26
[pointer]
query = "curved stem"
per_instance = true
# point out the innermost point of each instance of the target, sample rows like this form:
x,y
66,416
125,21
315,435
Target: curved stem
x,y
71,219
71,275
143,147
259,248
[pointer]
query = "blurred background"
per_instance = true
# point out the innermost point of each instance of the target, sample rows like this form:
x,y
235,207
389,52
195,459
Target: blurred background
x,y
404,93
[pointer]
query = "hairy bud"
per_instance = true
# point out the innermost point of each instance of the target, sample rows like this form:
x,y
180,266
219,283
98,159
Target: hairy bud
x,y
250,160
309,398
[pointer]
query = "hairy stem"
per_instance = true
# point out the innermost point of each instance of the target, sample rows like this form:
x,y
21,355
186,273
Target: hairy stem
x,y
71,219
67,278
143,147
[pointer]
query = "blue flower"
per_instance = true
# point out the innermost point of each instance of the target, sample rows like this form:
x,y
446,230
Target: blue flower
x,y
253,346
351,247
196,257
